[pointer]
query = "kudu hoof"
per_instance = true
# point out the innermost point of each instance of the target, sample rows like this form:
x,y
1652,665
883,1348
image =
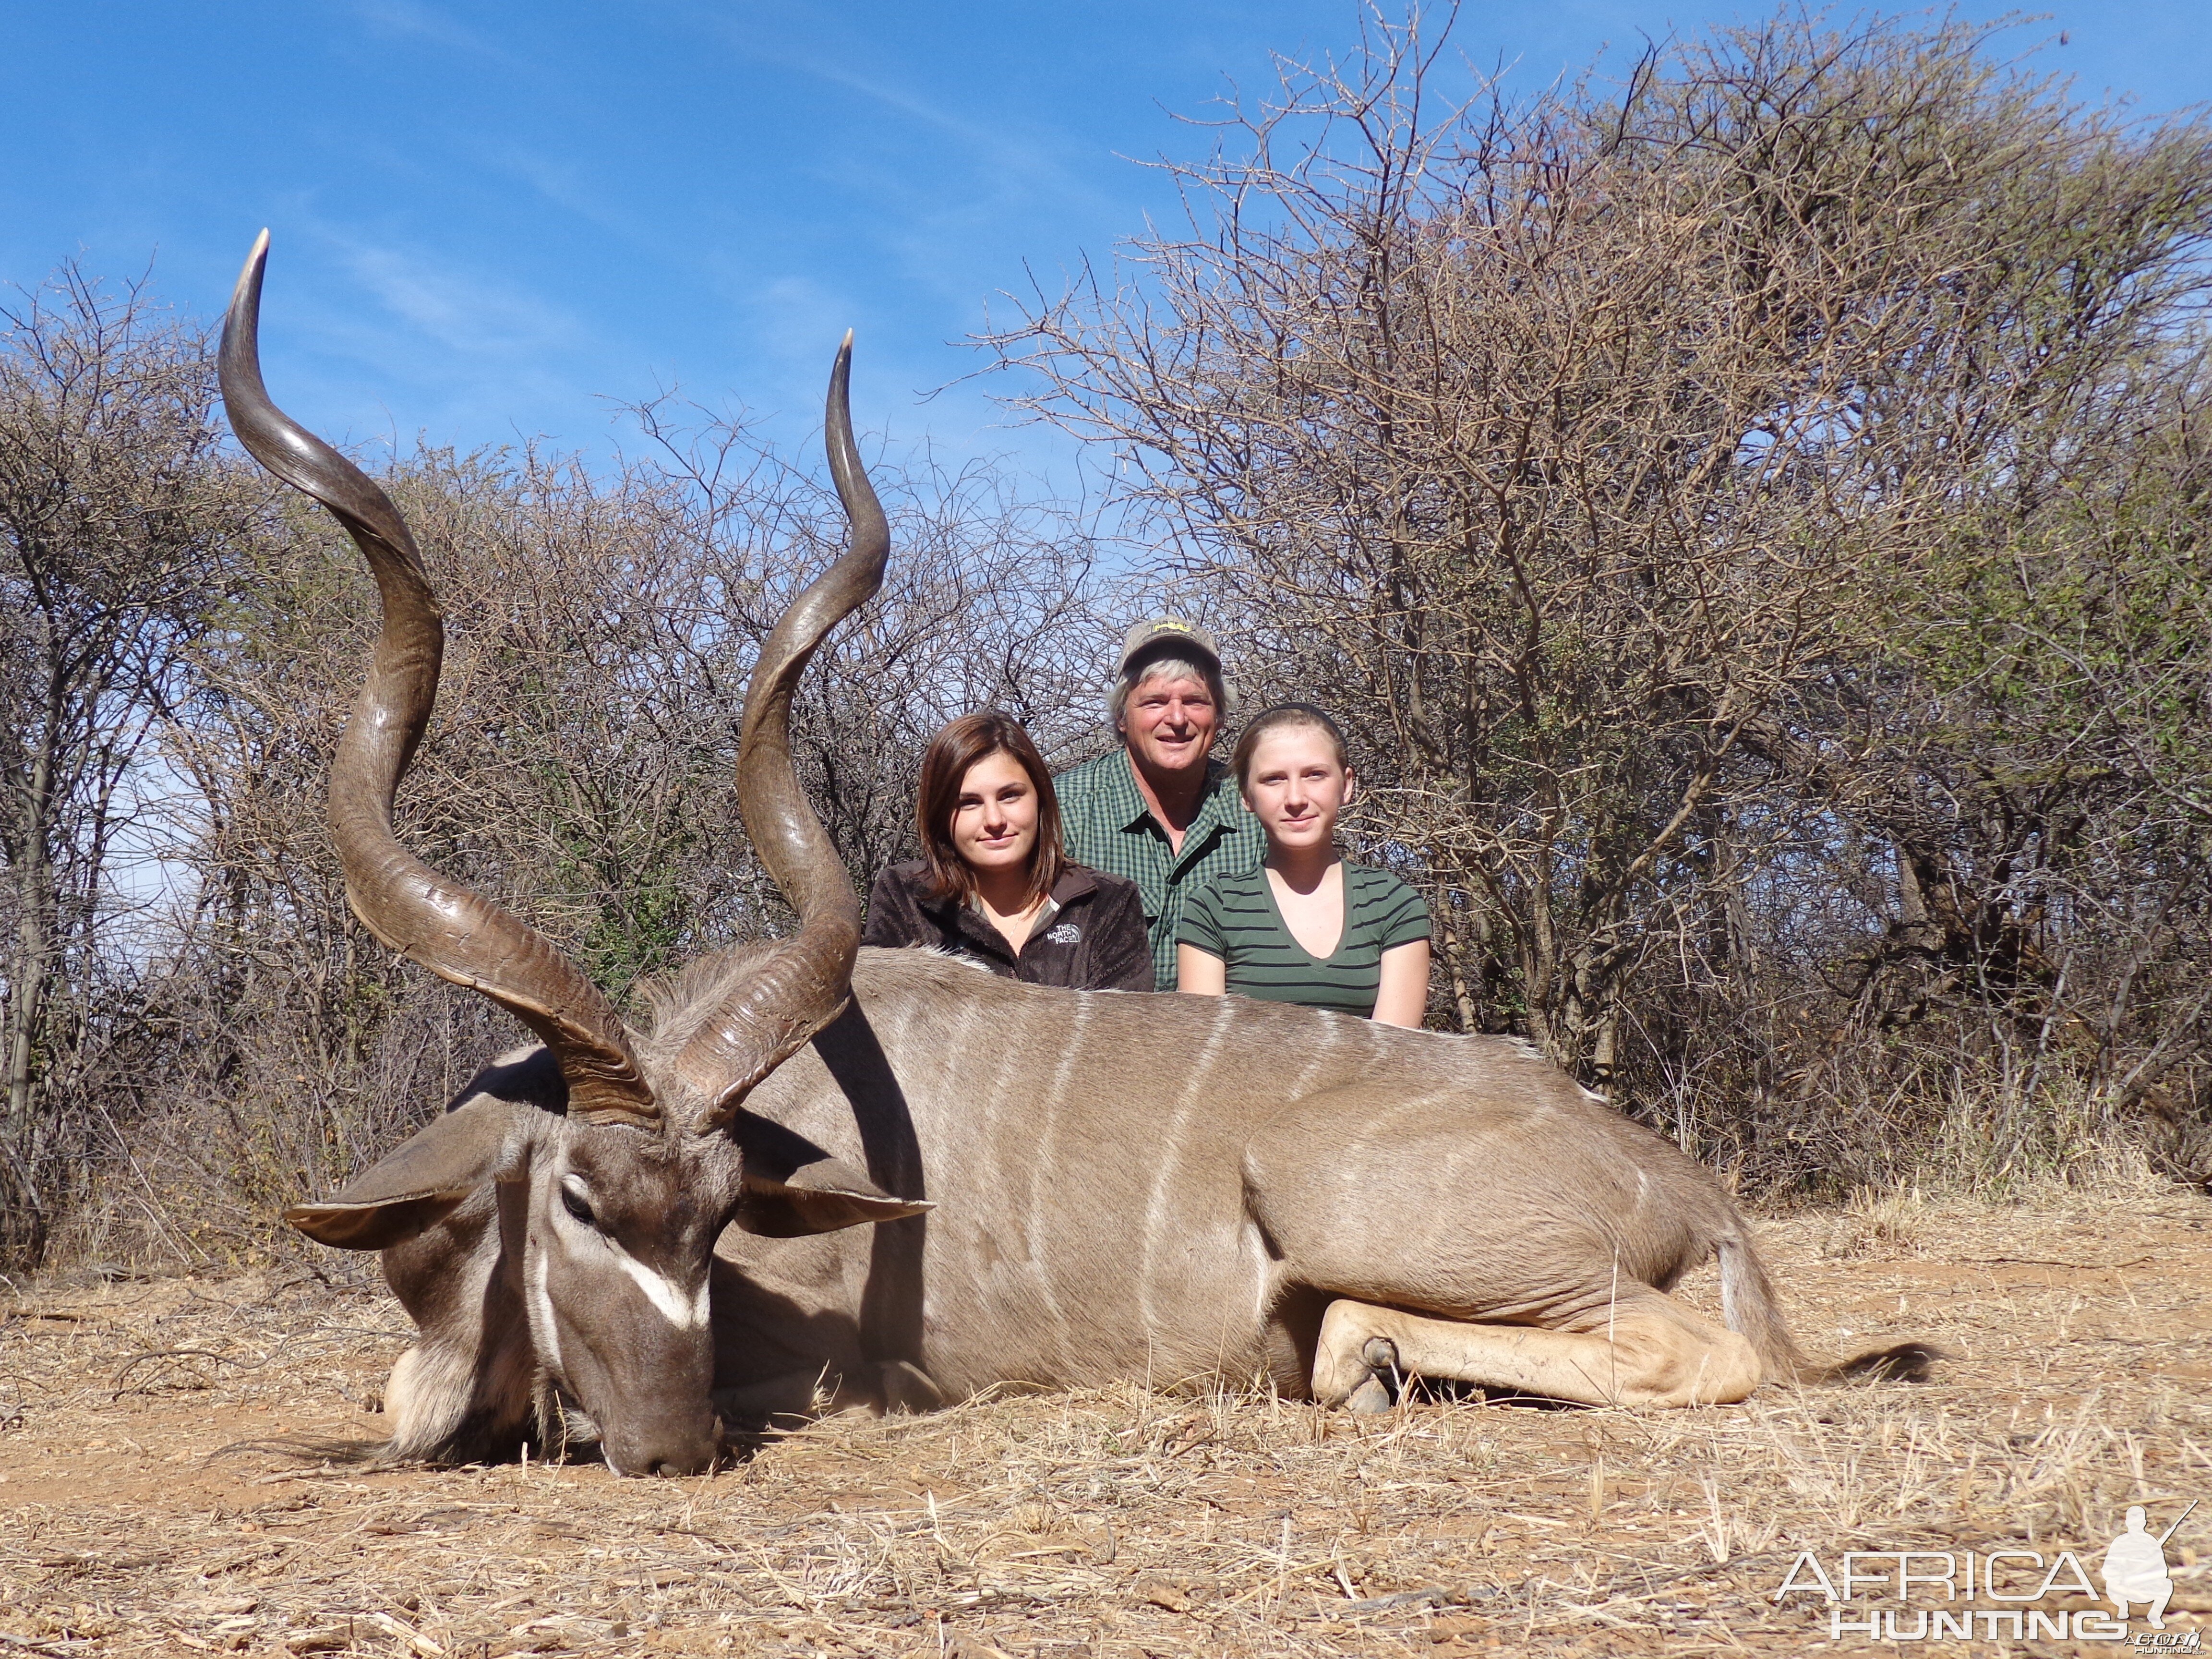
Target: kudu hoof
x,y
1380,1356
1370,1399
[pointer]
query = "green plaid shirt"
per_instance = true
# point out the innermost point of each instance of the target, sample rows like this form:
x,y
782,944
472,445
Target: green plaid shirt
x,y
1109,827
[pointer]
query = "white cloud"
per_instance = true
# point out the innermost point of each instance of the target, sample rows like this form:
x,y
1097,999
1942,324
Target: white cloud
x,y
464,311
410,18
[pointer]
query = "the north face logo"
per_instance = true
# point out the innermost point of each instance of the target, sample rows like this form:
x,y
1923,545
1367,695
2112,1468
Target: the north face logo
x,y
1067,933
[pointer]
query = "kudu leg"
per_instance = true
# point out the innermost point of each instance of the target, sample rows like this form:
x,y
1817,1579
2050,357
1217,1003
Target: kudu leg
x,y
1652,1352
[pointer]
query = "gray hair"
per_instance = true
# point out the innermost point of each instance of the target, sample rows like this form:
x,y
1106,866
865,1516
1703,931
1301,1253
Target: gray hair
x,y
1167,667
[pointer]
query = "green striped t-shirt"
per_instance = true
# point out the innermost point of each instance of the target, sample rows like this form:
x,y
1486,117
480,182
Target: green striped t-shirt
x,y
1236,919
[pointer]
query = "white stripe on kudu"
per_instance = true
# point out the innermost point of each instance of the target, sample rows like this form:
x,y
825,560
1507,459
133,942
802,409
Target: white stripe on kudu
x,y
541,1307
1037,1225
686,1313
1158,1208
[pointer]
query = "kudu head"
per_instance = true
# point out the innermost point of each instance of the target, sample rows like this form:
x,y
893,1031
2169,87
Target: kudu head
x,y
621,1155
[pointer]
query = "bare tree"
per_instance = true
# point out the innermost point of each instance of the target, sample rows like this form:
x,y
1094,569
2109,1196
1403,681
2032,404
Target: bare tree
x,y
1599,453
996,602
116,515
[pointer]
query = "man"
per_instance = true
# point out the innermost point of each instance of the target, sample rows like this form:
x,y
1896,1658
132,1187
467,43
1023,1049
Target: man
x,y
1160,810
2134,1569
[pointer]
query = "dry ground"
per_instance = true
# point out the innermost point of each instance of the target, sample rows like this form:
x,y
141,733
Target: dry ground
x,y
142,1512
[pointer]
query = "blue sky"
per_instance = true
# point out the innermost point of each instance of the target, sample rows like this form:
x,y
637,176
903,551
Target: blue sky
x,y
490,218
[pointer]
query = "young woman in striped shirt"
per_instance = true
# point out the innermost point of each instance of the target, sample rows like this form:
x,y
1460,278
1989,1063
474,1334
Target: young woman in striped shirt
x,y
1309,926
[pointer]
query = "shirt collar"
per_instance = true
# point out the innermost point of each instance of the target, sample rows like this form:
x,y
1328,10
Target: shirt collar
x,y
1127,801
1123,798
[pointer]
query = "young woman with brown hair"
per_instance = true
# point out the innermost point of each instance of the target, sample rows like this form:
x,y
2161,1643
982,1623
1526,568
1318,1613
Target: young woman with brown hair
x,y
993,884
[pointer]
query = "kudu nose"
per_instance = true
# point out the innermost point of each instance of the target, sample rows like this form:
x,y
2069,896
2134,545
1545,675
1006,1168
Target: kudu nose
x,y
690,1453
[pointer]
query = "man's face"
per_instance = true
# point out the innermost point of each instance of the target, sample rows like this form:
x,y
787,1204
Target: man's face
x,y
1169,724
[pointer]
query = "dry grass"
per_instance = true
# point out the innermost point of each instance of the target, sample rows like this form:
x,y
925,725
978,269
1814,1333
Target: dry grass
x,y
1118,1522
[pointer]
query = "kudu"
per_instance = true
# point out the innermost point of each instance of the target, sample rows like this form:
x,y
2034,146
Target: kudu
x,y
644,1229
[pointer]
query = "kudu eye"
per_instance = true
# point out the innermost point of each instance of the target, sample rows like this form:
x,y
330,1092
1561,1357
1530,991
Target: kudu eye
x,y
577,1207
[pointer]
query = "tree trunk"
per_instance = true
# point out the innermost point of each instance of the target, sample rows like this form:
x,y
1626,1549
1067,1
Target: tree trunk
x,y
30,974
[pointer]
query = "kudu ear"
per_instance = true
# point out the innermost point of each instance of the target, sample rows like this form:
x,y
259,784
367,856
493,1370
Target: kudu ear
x,y
792,1187
483,1136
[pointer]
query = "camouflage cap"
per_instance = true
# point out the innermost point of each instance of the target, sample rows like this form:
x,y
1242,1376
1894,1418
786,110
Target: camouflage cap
x,y
1172,631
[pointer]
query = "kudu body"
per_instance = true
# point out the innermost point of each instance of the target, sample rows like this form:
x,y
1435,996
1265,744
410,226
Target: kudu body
x,y
891,1173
